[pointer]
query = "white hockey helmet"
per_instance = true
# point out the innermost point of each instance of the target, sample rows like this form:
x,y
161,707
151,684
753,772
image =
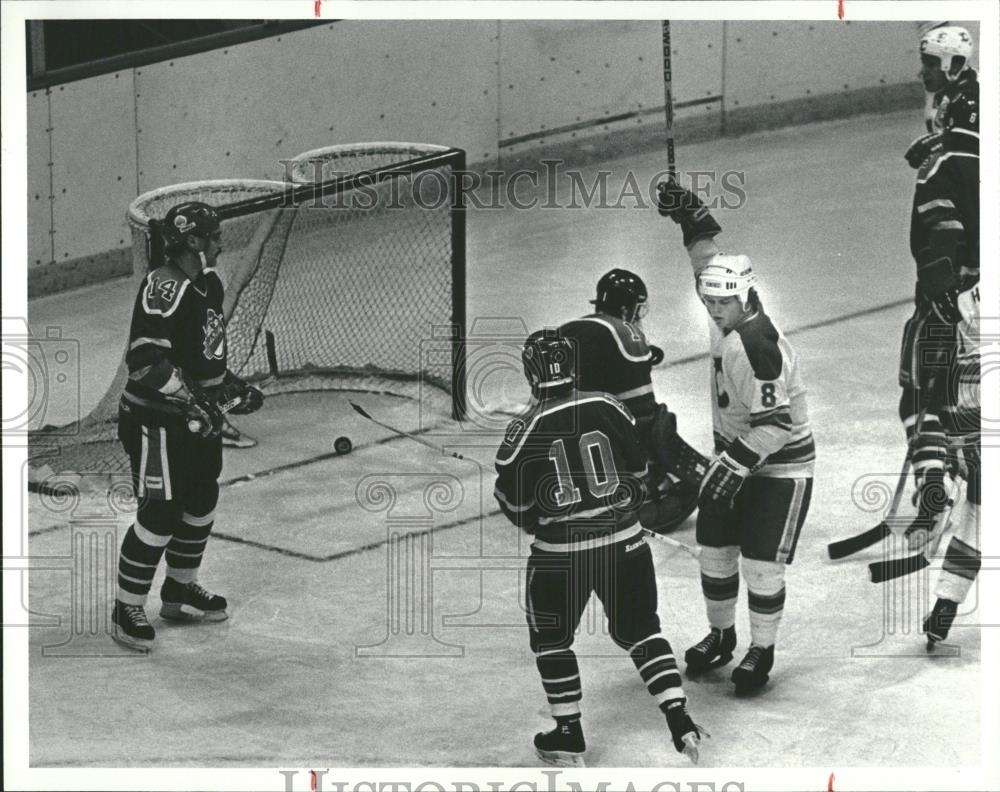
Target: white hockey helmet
x,y
727,275
947,43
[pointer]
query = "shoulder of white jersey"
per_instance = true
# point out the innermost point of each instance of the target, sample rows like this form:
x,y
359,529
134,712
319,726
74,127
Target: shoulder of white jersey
x,y
163,290
631,341
759,341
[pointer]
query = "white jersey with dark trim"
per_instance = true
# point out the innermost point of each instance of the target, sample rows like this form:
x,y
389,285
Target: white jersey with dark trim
x,y
758,397
757,390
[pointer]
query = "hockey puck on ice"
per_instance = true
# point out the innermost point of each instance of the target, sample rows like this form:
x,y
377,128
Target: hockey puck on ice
x,y
343,445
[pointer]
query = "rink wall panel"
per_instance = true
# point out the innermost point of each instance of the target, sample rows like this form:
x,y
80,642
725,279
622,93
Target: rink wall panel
x,y
504,91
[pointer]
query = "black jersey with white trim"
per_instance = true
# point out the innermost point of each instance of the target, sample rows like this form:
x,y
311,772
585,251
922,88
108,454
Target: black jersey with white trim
x,y
569,471
177,322
944,221
613,357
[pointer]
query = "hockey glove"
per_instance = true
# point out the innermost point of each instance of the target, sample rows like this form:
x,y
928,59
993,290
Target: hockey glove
x,y
946,307
725,476
657,355
202,413
921,148
686,209
248,398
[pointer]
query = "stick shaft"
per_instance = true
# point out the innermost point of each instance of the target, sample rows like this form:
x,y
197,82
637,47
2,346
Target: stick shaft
x,y
668,97
695,552
415,438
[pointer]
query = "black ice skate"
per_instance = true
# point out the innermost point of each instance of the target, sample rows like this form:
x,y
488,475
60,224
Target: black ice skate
x,y
564,746
938,624
131,628
712,651
685,732
753,670
190,602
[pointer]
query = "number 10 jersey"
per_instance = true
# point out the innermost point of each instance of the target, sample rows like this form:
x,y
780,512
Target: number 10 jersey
x,y
569,471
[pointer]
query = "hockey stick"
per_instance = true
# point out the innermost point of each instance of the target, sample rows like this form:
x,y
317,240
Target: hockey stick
x,y
361,411
855,544
694,552
883,571
668,96
194,425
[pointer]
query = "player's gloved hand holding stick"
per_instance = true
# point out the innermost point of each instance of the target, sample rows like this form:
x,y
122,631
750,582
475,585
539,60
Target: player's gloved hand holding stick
x,y
245,397
201,411
947,308
687,210
921,148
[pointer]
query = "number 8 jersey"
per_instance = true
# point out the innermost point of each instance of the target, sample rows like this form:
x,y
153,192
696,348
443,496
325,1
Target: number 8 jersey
x,y
758,397
757,391
569,471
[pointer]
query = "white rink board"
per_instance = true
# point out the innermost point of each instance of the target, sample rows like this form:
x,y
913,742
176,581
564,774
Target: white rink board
x,y
39,188
347,82
559,73
774,62
93,164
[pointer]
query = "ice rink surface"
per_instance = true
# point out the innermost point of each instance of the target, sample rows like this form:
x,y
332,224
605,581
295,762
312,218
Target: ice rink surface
x,y
343,650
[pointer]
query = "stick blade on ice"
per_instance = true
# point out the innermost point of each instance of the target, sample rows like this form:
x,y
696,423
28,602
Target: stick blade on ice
x,y
360,410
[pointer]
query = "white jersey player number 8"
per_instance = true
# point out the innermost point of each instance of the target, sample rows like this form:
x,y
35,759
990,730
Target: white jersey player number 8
x,y
589,444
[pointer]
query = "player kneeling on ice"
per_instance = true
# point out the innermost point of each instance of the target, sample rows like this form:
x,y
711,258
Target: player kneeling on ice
x,y
613,356
755,495
169,422
570,472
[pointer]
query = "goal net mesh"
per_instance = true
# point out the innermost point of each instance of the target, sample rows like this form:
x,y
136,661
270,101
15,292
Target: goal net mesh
x,y
356,267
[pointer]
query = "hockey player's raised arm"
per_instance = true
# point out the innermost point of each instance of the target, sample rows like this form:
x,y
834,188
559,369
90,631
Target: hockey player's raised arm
x,y
699,227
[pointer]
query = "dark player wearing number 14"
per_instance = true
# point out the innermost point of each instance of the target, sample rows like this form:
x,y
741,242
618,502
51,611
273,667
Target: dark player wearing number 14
x,y
571,472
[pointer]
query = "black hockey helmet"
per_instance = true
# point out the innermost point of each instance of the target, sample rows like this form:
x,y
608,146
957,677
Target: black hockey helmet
x,y
548,359
191,218
622,293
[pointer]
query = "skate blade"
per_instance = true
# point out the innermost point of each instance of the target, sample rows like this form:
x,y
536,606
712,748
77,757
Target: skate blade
x,y
561,758
185,613
137,645
690,747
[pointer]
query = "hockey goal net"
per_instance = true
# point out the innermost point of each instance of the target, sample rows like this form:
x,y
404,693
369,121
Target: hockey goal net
x,y
354,267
